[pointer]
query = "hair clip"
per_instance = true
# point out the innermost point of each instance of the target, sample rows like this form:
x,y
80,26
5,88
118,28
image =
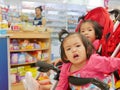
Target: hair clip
x,y
62,35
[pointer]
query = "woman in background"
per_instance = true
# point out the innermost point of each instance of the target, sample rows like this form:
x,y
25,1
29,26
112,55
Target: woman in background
x,y
39,20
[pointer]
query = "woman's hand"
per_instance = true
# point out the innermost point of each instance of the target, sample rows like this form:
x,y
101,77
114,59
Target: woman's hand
x,y
45,84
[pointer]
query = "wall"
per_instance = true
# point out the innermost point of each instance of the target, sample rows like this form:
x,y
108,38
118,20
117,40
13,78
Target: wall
x,y
112,3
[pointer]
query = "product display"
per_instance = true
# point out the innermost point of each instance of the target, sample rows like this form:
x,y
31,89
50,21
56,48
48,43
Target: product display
x,y
25,51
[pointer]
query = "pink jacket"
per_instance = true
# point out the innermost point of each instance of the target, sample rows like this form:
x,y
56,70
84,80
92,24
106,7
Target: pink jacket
x,y
96,44
96,67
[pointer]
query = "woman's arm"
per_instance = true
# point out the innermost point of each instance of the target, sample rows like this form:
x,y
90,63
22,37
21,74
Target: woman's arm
x,y
43,21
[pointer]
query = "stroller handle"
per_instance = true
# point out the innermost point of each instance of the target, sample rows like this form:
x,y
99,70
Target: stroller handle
x,y
45,67
83,81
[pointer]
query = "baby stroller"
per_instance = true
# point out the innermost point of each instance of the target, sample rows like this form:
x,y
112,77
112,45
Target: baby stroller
x,y
110,41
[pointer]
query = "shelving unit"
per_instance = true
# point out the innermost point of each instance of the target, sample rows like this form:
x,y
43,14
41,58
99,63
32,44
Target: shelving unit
x,y
56,17
63,16
38,38
17,65
73,13
17,86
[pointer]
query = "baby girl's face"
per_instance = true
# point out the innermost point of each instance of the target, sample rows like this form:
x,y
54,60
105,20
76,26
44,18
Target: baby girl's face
x,y
88,30
75,50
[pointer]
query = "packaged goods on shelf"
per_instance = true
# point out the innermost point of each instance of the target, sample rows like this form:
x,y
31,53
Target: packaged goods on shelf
x,y
18,73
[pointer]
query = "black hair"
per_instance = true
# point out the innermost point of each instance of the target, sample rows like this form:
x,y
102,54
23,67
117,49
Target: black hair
x,y
97,27
81,18
40,7
88,45
116,12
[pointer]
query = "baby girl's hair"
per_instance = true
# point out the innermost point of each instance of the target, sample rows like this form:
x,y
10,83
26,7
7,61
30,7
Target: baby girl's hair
x,y
88,45
40,7
81,18
98,28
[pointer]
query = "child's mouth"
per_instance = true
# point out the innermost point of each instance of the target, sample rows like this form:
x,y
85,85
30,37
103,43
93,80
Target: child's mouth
x,y
75,56
87,37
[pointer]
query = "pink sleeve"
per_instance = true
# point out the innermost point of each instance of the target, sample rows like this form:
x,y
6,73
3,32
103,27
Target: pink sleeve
x,y
104,64
63,79
96,44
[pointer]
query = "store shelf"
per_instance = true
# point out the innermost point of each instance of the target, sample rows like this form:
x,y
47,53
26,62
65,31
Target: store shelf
x,y
28,50
17,86
29,34
52,19
22,64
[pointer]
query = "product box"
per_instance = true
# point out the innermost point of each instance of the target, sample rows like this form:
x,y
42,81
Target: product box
x,y
3,31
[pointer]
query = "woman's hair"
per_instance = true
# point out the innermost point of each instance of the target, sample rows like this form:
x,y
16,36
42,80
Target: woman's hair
x,y
64,35
98,28
40,7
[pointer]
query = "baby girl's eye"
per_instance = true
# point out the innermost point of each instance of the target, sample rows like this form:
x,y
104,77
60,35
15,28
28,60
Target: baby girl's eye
x,y
82,31
89,30
77,45
68,49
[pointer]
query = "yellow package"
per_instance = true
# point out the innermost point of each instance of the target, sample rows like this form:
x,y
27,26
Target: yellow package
x,y
21,71
13,70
